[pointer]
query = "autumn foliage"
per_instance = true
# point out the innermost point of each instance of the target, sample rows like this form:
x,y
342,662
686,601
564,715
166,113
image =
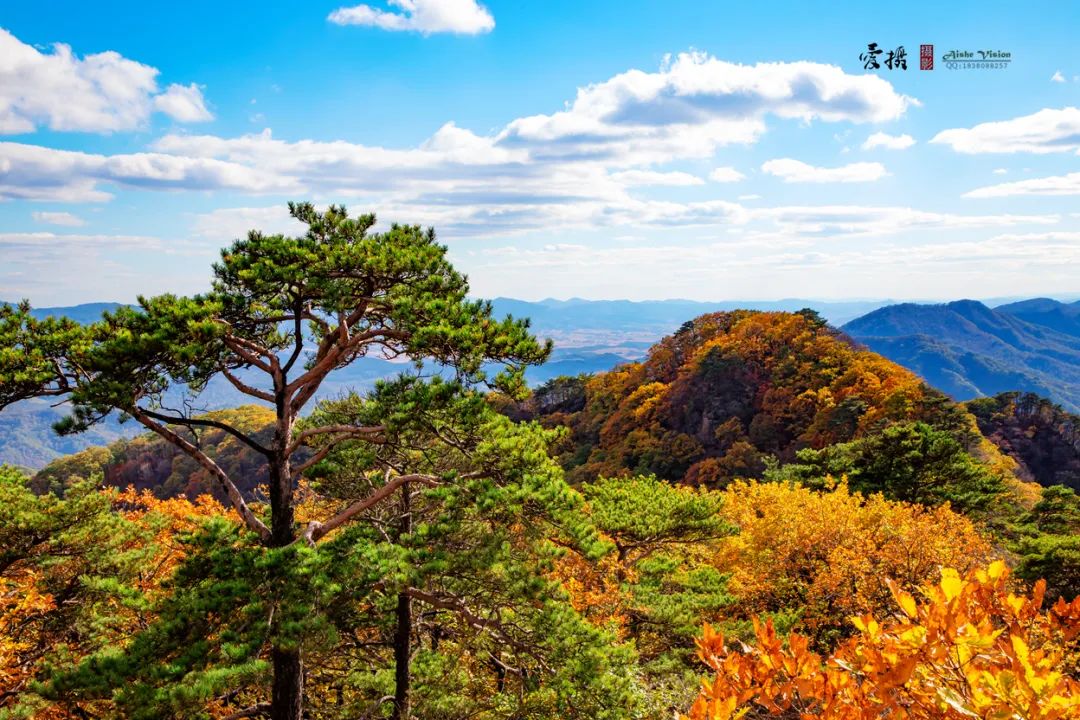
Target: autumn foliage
x,y
729,390
964,647
825,556
80,573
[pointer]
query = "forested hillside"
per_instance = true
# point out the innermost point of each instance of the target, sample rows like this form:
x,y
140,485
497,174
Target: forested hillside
x,y
590,336
1042,437
147,462
732,394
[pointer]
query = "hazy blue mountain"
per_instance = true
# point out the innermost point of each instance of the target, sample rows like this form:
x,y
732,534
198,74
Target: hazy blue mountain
x,y
86,313
964,348
969,350
1063,317
628,315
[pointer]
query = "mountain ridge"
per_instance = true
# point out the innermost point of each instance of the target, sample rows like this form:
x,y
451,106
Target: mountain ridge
x,y
969,350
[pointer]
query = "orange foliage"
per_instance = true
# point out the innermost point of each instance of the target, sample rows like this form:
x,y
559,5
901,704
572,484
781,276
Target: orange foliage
x,y
164,522
33,622
597,590
969,649
731,388
22,605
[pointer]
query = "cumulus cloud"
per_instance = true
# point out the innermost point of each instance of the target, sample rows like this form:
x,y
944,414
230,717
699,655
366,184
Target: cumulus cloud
x,y
463,17
889,142
183,103
589,163
725,175
1057,77
58,218
103,92
796,171
1055,185
695,104
1047,131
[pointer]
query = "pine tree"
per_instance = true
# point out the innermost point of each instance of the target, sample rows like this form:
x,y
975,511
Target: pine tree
x,y
355,293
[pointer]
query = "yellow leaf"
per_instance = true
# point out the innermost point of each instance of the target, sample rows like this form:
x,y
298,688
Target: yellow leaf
x,y
951,584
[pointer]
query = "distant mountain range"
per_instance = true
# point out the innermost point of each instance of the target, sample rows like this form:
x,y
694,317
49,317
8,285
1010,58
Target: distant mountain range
x,y
965,349
969,350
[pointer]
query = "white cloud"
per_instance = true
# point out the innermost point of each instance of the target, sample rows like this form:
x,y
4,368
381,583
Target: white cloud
x,y
725,175
857,220
32,172
634,178
890,142
581,167
60,242
695,104
796,171
1056,185
464,17
58,218
1001,171
227,224
1057,77
183,103
1047,131
103,92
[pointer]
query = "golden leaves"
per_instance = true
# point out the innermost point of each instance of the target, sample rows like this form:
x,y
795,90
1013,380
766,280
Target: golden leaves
x,y
969,649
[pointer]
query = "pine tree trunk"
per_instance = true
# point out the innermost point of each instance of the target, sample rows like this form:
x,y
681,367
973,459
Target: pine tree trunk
x,y
403,631
402,635
282,521
287,694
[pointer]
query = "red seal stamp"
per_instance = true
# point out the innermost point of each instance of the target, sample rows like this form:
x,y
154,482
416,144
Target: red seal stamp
x,y
926,57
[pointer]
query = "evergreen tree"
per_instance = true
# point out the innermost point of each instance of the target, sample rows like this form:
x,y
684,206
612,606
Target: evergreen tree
x,y
666,539
353,292
911,462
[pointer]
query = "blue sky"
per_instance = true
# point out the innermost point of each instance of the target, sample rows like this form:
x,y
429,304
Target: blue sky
x,y
596,149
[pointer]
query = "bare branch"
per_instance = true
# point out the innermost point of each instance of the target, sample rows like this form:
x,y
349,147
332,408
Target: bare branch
x,y
307,384
316,530
203,422
301,438
247,389
298,337
257,710
200,457
232,342
313,460
474,621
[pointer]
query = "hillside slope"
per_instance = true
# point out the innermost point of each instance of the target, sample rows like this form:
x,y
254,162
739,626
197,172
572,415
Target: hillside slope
x,y
969,350
1059,316
1043,438
147,462
730,393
